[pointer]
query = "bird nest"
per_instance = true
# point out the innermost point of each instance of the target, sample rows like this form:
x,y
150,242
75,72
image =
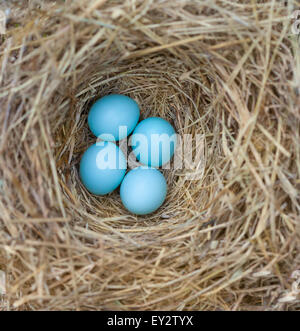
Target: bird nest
x,y
227,239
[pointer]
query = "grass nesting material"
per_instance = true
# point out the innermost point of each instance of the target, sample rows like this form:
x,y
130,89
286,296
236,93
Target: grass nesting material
x,y
228,241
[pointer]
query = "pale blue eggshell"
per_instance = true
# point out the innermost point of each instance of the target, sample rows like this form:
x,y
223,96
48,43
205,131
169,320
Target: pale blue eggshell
x,y
102,167
154,141
143,190
111,112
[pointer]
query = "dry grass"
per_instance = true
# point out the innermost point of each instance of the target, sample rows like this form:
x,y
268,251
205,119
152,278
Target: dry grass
x,y
228,70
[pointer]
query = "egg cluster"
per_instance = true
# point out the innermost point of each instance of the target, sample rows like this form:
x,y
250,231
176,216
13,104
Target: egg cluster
x,y
103,165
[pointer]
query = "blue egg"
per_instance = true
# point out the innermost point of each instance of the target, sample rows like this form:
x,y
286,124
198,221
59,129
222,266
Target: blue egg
x,y
113,117
143,190
102,167
154,141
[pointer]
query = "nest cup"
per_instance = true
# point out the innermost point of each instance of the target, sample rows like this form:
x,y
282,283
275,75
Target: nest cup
x,y
225,240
